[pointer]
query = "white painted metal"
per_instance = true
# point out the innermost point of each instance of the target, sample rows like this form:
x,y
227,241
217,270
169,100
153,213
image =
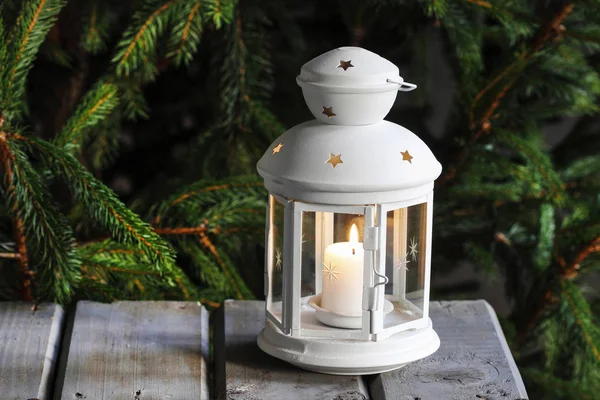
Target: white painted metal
x,y
373,170
269,263
360,94
349,356
428,255
294,273
349,161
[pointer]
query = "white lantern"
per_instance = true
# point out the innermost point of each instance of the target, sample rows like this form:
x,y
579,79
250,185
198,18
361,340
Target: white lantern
x,y
348,233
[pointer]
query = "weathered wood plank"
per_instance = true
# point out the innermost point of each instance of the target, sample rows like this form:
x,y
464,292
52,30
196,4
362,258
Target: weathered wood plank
x,y
244,372
29,343
136,351
473,362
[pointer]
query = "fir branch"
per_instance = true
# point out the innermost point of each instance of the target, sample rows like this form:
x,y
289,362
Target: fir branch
x,y
220,11
119,258
542,258
590,248
542,38
548,31
104,146
210,303
45,230
566,272
38,16
97,104
102,203
186,34
539,160
225,186
481,3
583,315
207,243
95,28
22,258
139,41
207,192
181,230
553,386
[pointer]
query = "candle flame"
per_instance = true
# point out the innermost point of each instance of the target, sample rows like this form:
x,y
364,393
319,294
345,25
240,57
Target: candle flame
x,y
353,234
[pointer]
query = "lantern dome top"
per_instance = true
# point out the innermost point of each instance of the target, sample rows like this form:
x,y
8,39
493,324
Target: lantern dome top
x,y
350,69
350,86
335,164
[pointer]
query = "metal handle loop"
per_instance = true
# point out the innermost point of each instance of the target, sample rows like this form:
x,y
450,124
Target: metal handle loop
x,y
385,278
404,86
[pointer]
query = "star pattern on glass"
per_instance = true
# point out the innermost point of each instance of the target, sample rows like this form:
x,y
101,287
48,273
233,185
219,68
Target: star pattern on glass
x,y
345,64
278,261
413,248
406,156
329,112
401,263
330,273
277,148
334,160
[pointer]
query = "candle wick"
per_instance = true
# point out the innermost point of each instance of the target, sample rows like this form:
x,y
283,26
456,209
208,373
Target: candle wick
x,y
353,251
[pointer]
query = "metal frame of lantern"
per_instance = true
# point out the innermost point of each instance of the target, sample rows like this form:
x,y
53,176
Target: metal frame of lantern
x,y
371,349
355,181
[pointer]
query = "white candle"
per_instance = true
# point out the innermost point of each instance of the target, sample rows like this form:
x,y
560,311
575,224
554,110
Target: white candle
x,y
343,265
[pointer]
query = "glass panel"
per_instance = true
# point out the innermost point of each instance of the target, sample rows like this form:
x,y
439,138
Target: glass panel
x,y
342,266
332,267
405,263
275,262
309,228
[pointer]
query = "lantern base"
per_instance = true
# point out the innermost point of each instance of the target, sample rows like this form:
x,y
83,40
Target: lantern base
x,y
349,356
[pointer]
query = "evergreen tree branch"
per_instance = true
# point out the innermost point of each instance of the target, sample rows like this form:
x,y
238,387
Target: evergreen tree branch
x,y
139,41
582,314
213,188
207,243
7,159
557,387
481,3
95,28
102,203
566,272
23,260
181,230
45,230
545,35
38,16
97,104
186,36
571,270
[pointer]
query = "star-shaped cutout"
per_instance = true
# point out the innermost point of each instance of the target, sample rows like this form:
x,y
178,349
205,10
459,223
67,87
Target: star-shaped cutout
x,y
413,248
401,263
334,160
278,261
329,112
345,64
277,148
406,156
330,273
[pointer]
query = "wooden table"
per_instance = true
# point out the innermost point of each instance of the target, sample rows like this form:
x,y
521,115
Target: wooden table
x,y
160,350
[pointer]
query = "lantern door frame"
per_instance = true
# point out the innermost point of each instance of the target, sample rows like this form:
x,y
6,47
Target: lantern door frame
x,y
292,284
378,330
